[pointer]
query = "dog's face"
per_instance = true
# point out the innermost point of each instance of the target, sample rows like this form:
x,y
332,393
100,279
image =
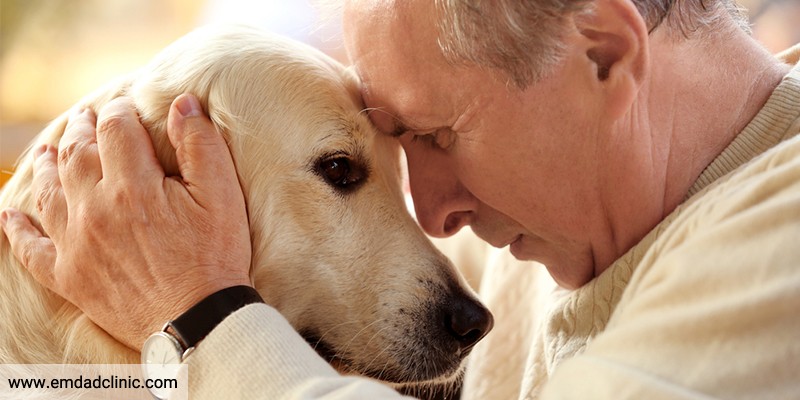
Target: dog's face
x,y
334,248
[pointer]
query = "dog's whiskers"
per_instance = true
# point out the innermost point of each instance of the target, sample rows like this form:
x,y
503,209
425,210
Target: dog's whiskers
x,y
368,366
339,325
380,109
346,347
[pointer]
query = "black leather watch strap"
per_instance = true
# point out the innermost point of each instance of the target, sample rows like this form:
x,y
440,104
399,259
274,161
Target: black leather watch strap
x,y
193,325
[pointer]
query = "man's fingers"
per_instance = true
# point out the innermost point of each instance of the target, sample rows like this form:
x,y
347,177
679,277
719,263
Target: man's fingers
x,y
204,159
47,191
77,153
126,150
36,252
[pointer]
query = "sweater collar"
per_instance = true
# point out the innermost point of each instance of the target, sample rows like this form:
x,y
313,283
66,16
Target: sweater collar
x,y
777,121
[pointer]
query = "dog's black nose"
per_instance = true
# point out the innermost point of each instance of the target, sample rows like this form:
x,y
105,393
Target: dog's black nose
x,y
467,321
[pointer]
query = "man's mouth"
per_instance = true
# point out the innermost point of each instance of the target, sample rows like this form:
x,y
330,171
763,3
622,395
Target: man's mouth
x,y
519,251
502,244
517,239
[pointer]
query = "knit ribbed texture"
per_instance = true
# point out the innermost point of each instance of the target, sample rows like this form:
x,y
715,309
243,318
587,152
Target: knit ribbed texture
x,y
770,126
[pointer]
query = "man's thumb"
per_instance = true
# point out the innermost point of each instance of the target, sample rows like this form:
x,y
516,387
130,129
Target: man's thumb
x,y
186,118
204,159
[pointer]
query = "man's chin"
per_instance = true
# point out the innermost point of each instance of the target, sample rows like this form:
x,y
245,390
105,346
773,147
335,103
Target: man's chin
x,y
570,278
522,250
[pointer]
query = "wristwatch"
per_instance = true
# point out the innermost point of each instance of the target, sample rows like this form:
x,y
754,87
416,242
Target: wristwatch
x,y
164,351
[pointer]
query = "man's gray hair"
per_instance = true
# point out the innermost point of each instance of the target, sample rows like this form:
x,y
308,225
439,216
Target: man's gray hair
x,y
523,38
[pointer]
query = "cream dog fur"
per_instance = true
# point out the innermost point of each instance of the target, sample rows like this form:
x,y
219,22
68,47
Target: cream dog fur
x,y
334,249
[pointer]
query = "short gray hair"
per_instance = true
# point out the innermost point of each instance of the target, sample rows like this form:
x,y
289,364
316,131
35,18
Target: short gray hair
x,y
523,38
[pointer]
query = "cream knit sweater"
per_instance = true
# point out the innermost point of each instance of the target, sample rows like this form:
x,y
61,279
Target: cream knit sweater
x,y
707,305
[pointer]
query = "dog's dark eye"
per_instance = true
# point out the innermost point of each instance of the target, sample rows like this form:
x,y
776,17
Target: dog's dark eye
x,y
340,172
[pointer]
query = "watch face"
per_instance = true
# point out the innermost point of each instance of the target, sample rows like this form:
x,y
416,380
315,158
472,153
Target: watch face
x,y
161,357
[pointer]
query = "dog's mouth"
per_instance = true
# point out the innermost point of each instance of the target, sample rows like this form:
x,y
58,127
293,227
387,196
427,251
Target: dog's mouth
x,y
327,352
346,366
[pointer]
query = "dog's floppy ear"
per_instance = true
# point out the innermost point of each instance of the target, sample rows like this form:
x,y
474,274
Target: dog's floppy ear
x,y
193,64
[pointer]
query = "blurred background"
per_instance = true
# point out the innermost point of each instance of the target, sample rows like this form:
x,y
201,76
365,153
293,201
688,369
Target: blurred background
x,y
53,52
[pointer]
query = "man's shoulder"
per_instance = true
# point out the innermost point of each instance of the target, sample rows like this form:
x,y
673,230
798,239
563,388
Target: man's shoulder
x,y
748,219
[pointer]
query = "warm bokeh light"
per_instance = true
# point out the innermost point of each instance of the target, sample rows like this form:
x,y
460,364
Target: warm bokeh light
x,y
56,51
53,52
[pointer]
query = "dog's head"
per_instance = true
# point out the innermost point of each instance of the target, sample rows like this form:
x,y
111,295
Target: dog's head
x,y
334,248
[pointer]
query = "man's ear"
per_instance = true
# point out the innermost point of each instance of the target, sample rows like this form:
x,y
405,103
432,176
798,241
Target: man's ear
x,y
616,42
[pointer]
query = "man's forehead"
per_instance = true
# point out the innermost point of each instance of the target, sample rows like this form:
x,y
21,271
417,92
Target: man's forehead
x,y
393,66
376,9
385,116
364,86
384,119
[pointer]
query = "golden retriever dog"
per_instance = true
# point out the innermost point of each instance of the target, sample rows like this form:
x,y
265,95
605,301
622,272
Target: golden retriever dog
x,y
334,248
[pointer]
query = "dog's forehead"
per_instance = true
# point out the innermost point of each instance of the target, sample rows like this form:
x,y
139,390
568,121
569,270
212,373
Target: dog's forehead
x,y
324,105
345,131
268,93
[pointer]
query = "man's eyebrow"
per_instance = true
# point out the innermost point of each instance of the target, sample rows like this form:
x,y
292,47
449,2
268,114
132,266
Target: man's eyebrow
x,y
398,129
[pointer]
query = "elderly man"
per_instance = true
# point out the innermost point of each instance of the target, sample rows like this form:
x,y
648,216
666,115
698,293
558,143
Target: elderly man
x,y
645,151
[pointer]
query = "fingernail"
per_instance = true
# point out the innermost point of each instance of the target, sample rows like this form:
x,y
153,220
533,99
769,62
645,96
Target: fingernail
x,y
188,106
3,218
39,151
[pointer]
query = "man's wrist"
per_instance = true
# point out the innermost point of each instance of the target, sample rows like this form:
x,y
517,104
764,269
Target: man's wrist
x,y
178,338
200,319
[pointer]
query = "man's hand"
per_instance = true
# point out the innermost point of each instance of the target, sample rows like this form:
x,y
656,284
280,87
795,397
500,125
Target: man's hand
x,y
127,245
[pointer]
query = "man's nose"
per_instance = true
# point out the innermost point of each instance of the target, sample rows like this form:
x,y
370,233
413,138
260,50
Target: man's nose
x,y
443,205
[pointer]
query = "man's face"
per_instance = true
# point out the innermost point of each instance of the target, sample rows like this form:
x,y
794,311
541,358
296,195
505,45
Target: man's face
x,y
519,166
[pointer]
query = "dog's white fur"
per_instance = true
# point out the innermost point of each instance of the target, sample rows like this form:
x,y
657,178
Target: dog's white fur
x,y
348,267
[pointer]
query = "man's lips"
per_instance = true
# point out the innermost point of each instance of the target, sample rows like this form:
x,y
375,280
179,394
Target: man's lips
x,y
506,242
521,246
515,247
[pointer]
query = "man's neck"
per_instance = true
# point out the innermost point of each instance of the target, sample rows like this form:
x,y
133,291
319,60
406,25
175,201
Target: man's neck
x,y
729,83
693,102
